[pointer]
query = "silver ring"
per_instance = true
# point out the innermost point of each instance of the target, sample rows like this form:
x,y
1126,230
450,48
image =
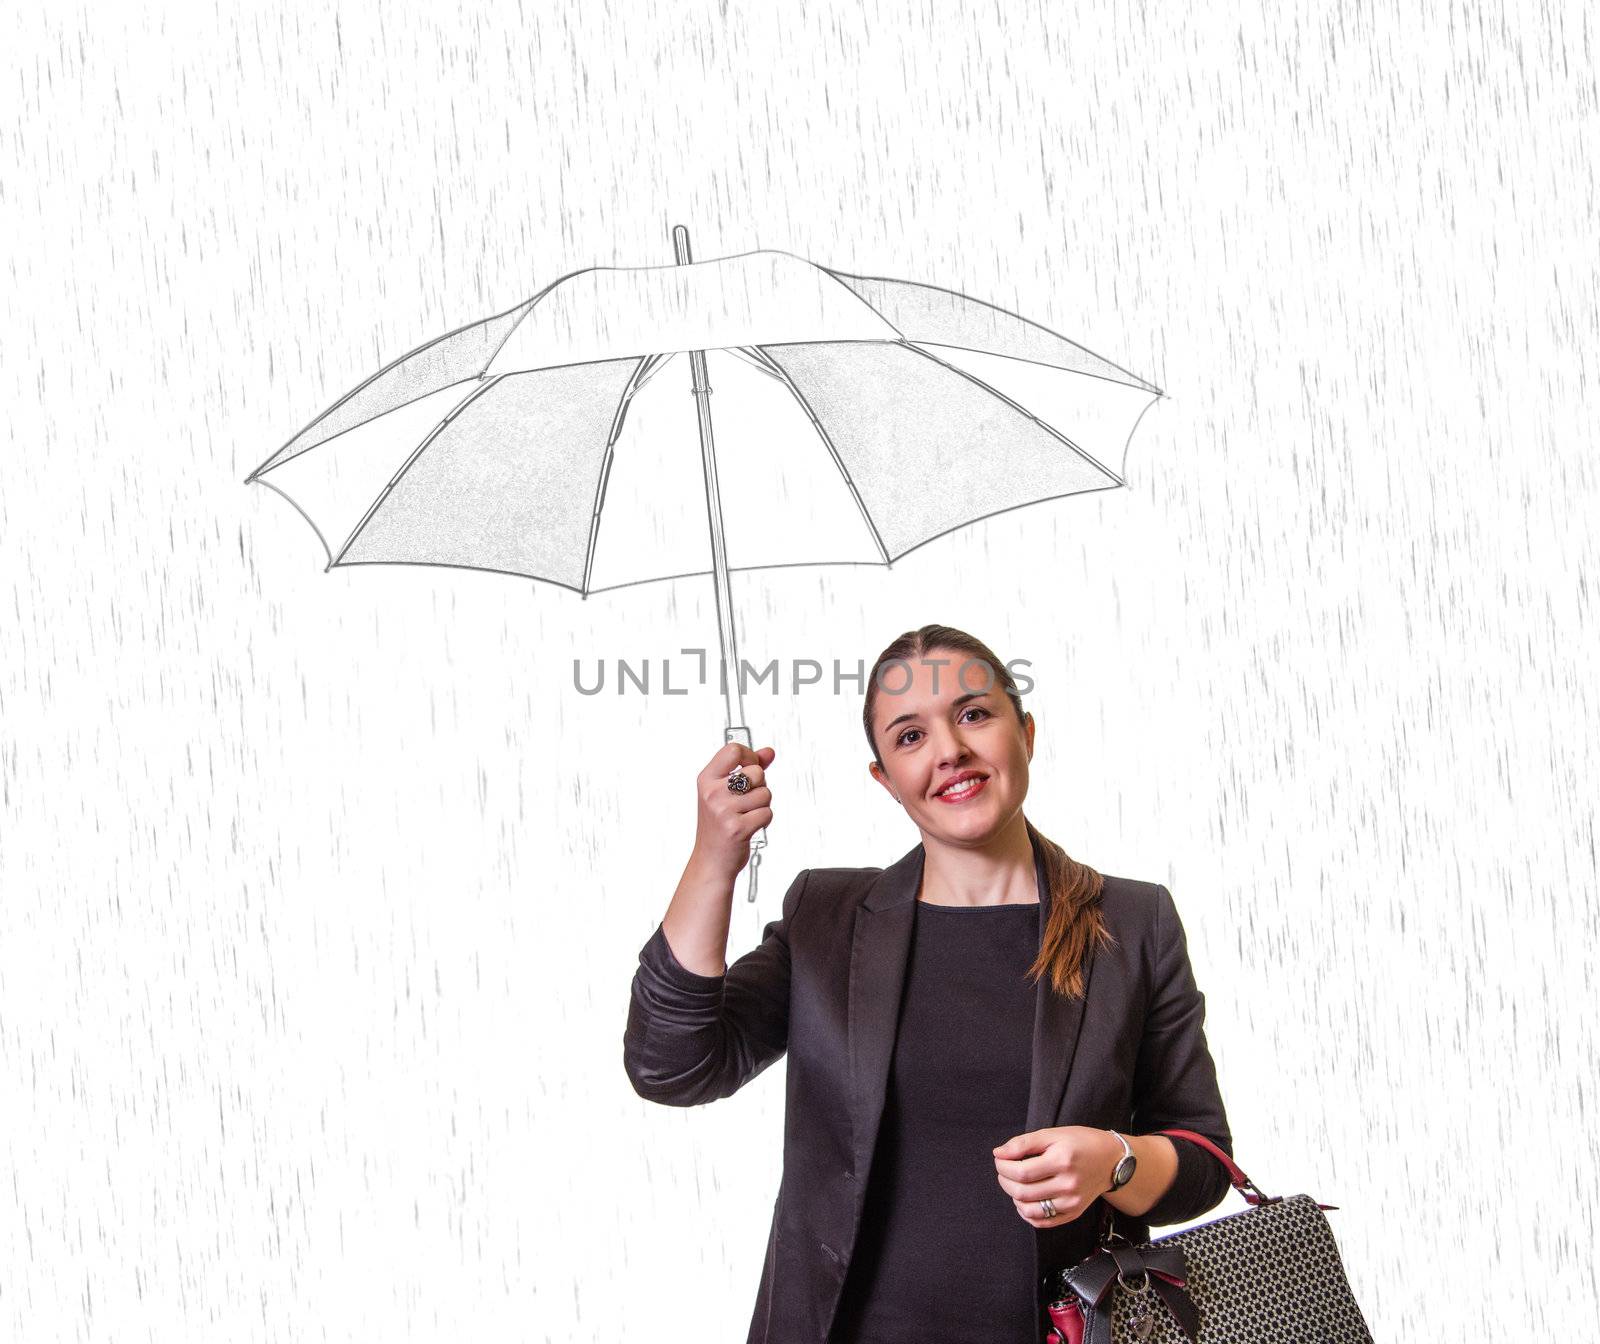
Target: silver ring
x,y
738,781
1048,1208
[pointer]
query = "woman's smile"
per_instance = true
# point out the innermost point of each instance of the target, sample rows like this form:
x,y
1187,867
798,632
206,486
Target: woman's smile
x,y
965,789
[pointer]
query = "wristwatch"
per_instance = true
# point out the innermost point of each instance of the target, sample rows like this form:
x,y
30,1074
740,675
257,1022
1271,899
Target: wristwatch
x,y
1123,1173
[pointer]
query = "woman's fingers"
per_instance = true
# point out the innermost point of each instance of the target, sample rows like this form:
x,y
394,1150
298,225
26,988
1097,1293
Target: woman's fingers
x,y
1057,1188
728,820
711,783
736,753
1063,1189
751,764
1067,1197
1040,1181
1066,1209
749,801
754,773
740,808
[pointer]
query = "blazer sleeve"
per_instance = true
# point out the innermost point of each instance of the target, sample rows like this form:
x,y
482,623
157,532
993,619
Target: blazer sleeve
x,y
1175,1079
692,1038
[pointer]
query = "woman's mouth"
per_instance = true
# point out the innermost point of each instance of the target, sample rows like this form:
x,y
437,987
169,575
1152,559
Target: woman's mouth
x,y
966,789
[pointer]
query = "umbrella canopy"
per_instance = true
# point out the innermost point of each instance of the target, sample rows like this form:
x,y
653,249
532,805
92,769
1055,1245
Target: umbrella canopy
x,y
545,443
867,416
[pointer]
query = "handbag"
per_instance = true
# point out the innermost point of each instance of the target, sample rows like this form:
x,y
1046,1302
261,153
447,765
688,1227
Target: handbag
x,y
1269,1274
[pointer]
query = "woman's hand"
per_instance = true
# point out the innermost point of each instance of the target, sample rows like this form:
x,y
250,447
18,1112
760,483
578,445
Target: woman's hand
x,y
727,820
1070,1165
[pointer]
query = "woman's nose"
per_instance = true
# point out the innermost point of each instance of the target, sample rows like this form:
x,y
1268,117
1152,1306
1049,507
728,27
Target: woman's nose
x,y
948,746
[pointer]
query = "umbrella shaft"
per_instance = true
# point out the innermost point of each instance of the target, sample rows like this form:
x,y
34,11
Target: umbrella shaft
x,y
719,554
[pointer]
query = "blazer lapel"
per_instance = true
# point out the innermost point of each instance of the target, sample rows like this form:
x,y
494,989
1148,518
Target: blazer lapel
x,y
879,950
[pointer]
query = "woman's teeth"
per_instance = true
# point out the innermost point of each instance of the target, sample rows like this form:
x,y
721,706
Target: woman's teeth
x,y
962,789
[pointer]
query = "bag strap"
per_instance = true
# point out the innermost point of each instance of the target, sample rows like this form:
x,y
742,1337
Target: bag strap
x,y
1235,1173
1236,1177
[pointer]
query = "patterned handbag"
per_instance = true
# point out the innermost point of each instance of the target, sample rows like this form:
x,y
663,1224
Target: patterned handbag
x,y
1269,1274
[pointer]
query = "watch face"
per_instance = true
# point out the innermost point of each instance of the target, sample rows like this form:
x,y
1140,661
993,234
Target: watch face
x,y
1124,1172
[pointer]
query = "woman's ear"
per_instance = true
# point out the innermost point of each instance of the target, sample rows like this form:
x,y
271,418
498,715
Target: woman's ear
x,y
876,771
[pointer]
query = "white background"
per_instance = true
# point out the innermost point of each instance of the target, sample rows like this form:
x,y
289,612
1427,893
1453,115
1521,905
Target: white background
x,y
320,892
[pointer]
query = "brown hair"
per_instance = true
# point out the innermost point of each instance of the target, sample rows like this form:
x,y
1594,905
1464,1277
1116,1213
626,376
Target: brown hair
x,y
1075,888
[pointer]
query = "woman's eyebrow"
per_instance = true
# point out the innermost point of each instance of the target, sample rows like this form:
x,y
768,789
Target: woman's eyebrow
x,y
954,704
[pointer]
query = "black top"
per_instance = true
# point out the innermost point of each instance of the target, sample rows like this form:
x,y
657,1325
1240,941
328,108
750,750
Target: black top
x,y
943,1257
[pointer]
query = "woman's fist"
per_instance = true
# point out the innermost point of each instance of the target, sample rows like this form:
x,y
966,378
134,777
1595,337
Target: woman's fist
x,y
727,820
1070,1165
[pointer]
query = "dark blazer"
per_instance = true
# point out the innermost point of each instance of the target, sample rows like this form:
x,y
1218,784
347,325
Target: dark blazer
x,y
825,985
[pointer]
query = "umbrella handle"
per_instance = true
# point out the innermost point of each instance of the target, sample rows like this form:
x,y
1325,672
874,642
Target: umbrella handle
x,y
740,733
755,863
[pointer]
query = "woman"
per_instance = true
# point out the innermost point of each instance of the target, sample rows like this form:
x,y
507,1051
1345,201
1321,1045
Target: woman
x,y
980,1037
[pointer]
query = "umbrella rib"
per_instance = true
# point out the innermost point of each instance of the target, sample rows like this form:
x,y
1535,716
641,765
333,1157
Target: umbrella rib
x,y
642,370
255,476
835,276
844,471
1021,410
395,479
1009,508
657,363
844,277
532,304
741,353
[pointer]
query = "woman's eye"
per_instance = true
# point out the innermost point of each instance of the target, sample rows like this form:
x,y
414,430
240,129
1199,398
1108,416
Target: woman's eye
x,y
970,709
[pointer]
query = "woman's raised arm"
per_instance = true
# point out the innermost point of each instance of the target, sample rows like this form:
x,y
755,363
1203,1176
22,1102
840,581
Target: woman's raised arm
x,y
694,1038
697,1032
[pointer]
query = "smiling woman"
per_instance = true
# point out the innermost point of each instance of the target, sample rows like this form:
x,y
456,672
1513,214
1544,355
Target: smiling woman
x,y
981,1038
953,748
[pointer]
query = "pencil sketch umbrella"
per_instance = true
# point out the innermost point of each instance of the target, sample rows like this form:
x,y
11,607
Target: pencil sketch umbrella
x,y
861,418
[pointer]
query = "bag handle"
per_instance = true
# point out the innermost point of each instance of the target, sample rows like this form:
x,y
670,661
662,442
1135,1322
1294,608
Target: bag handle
x,y
1252,1192
1236,1177
1235,1173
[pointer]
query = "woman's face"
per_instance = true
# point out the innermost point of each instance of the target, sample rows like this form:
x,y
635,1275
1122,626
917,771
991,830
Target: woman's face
x,y
945,725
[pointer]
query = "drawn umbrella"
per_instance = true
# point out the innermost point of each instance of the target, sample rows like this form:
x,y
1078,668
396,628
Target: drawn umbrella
x,y
866,417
